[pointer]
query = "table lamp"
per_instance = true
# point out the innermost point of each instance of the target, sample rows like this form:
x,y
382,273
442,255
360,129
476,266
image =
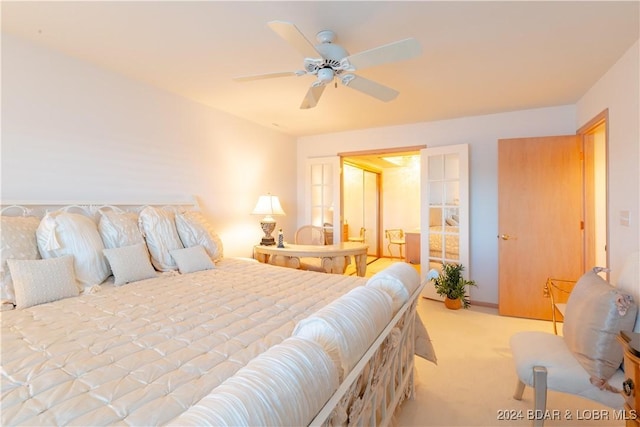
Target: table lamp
x,y
268,206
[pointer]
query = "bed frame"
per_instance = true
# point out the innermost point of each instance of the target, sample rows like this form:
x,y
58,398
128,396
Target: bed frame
x,y
381,380
372,391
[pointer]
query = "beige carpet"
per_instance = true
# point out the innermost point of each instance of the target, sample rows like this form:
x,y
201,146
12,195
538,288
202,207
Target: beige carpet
x,y
474,381
374,265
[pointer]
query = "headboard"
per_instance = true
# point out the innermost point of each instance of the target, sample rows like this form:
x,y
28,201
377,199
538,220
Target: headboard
x,y
90,209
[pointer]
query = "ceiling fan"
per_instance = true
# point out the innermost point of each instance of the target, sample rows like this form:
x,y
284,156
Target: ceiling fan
x,y
329,61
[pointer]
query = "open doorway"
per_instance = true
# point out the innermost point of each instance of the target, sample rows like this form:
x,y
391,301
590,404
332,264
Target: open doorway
x,y
381,191
594,138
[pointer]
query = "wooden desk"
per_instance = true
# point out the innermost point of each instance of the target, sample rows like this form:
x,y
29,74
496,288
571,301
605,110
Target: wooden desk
x,y
412,239
334,258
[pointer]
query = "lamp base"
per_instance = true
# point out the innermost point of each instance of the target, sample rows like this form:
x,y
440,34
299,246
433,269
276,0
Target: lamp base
x,y
268,226
268,241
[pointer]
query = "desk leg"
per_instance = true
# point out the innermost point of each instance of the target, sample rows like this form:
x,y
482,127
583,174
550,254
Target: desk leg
x,y
361,264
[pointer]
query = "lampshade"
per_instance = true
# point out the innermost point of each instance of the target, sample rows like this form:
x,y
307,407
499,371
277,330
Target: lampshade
x,y
268,206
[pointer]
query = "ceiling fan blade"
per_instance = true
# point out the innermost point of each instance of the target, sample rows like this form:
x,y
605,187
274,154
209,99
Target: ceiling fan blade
x,y
371,88
267,76
312,97
392,52
291,34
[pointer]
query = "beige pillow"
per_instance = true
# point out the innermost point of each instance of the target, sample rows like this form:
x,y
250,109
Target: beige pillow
x,y
192,259
17,241
43,280
130,263
119,229
596,313
159,229
194,229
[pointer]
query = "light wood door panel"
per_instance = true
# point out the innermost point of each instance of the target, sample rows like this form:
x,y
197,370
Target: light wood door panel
x,y
539,220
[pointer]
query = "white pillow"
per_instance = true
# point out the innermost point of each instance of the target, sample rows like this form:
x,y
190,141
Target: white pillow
x,y
192,259
119,229
44,280
159,230
130,263
194,229
17,241
63,233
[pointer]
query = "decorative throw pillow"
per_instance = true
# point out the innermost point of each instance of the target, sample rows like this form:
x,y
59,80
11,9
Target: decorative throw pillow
x,y
130,263
628,280
194,229
17,241
596,313
192,259
62,233
119,229
158,227
44,280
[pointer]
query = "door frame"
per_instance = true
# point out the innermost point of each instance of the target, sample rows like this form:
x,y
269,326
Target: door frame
x,y
585,131
377,152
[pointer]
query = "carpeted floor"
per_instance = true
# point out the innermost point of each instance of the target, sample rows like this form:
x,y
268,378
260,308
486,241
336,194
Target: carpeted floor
x,y
474,380
374,265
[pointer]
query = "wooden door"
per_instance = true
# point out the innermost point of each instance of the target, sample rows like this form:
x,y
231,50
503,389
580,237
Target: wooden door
x,y
540,222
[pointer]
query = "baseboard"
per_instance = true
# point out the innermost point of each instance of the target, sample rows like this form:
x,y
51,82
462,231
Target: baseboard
x,y
484,304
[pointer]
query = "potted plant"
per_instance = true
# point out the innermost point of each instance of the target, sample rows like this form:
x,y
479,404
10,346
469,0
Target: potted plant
x,y
453,286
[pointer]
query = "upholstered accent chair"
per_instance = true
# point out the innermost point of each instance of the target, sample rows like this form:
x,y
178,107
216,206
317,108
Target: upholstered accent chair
x,y
586,359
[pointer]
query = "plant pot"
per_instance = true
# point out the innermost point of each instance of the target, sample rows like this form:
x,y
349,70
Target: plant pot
x,y
453,304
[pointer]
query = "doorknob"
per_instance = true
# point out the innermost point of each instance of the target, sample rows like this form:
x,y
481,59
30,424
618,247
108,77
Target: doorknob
x,y
506,237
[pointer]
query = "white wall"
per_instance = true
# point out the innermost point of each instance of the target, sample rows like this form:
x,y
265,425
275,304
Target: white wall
x,y
74,132
482,134
619,90
400,201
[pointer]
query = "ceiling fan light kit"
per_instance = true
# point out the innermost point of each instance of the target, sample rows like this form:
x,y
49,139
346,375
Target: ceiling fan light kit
x,y
334,60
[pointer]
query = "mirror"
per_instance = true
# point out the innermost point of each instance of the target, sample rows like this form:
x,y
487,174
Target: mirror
x,y
444,209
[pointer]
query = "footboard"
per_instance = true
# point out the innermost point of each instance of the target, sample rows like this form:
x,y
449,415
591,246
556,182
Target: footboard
x,y
381,380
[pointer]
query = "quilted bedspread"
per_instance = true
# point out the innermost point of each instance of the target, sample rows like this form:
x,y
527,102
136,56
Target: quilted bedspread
x,y
143,353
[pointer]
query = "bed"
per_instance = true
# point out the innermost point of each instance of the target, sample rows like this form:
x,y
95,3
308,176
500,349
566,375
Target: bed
x,y
178,334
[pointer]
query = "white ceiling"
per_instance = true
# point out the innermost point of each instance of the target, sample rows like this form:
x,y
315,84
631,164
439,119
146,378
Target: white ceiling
x,y
477,57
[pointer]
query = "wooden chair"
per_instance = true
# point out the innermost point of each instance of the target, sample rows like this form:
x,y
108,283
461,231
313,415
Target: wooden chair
x,y
558,290
361,237
395,236
328,233
309,235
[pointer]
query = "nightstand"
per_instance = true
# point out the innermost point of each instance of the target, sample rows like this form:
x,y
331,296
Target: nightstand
x,y
631,344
